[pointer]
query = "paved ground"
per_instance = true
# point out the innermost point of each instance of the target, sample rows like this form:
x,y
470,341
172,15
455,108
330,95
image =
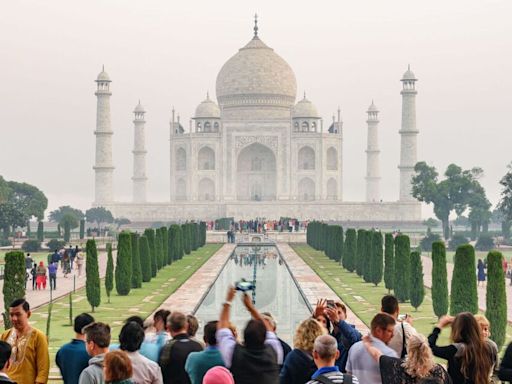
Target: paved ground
x,y
63,287
427,278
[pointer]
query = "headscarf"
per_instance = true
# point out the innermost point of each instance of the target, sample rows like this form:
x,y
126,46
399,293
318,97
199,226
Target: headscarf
x,y
218,375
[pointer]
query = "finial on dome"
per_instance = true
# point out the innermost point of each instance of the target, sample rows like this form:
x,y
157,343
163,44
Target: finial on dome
x,y
408,67
304,95
255,25
207,95
103,67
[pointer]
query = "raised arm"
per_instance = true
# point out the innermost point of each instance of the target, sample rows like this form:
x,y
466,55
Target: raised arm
x,y
226,308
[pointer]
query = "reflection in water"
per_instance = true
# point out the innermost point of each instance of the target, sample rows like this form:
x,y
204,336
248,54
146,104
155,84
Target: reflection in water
x,y
275,292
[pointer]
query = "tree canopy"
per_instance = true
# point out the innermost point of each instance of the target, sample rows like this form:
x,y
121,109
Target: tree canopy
x,y
99,215
505,204
57,215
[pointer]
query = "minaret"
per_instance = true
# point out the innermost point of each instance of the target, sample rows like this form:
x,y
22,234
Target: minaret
x,y
103,167
139,156
372,156
408,133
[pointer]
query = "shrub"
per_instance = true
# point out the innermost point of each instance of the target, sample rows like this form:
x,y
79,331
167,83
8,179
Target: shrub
x,y
5,243
456,241
150,234
40,231
464,292
123,272
417,287
361,248
428,240
389,261
439,279
109,273
92,274
485,242
31,245
402,278
496,298
136,266
54,244
14,280
376,258
145,259
350,250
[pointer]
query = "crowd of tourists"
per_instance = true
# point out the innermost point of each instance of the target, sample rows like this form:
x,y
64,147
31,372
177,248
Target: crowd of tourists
x,y
326,349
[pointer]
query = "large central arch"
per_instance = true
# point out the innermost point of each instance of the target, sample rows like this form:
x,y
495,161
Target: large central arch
x,y
256,173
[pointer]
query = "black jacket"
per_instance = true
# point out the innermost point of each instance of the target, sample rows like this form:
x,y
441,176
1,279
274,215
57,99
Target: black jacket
x,y
297,368
255,366
173,357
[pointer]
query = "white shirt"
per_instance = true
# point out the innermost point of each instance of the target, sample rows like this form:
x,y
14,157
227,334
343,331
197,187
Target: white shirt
x,y
145,371
396,343
362,365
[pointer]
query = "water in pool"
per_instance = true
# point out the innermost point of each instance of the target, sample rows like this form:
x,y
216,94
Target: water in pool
x,y
276,291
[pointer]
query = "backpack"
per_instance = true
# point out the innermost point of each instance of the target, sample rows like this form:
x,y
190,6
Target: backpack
x,y
347,379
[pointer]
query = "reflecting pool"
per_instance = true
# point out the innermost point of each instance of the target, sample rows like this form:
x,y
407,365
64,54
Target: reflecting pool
x,y
276,291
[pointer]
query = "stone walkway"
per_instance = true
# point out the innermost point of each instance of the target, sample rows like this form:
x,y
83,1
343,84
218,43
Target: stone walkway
x,y
312,285
427,279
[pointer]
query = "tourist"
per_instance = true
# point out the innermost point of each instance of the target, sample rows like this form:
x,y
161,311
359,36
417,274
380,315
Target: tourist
x,y
174,354
33,273
66,263
161,336
5,356
470,358
72,254
28,268
30,362
403,328
145,371
505,371
485,326
147,349
97,340
325,354
117,368
418,365
267,316
79,260
198,363
299,365
256,361
218,375
52,273
193,327
41,276
72,358
55,257
481,272
360,363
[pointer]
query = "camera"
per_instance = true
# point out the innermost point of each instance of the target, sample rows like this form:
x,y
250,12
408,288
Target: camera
x,y
402,317
330,304
244,285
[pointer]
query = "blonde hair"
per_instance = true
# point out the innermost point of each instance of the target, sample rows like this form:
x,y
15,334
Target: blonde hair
x,y
482,321
419,361
306,333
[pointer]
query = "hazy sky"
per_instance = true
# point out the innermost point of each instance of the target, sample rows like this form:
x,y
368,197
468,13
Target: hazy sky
x,y
169,53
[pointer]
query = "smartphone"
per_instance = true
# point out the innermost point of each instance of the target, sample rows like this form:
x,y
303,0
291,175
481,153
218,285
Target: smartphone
x,y
330,304
402,317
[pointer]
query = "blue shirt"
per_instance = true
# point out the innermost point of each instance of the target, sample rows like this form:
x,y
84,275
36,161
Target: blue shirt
x,y
198,363
72,358
52,269
323,370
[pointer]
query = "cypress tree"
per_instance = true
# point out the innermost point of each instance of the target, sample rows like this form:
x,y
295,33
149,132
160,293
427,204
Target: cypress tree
x,y
186,238
180,247
496,298
350,250
195,236
165,246
145,259
377,258
389,261
158,248
150,234
202,228
109,273
14,280
464,292
402,279
170,244
92,274
123,272
417,287
368,256
325,236
439,279
338,243
40,231
361,247
82,229
136,266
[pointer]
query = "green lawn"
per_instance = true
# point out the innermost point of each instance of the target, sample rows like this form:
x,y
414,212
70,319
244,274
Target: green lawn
x,y
364,298
478,255
37,256
141,302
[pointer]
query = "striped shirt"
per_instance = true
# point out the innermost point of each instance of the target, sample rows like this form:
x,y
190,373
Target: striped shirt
x,y
333,374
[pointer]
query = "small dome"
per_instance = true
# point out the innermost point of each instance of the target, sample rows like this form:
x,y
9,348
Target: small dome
x,y
103,76
207,109
409,75
373,108
139,108
305,109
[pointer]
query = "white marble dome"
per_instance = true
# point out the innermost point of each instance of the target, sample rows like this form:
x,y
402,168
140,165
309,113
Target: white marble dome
x,y
256,75
103,76
305,109
207,109
409,75
139,108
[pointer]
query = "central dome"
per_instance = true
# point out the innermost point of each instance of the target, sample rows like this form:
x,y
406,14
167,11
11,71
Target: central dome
x,y
256,75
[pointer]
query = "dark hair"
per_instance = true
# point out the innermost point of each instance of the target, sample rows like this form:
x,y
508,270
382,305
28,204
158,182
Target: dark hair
x,y
389,304
382,321
255,333
5,353
161,314
193,325
209,333
24,303
135,319
131,337
82,321
118,366
177,321
98,333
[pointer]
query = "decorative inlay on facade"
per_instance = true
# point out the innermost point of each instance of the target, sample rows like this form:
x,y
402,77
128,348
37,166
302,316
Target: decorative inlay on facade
x,y
243,141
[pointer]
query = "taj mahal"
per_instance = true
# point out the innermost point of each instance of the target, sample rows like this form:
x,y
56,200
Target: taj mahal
x,y
256,151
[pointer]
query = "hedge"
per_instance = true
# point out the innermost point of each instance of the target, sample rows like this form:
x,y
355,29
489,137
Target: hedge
x,y
402,278
464,296
439,279
496,298
92,275
123,272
